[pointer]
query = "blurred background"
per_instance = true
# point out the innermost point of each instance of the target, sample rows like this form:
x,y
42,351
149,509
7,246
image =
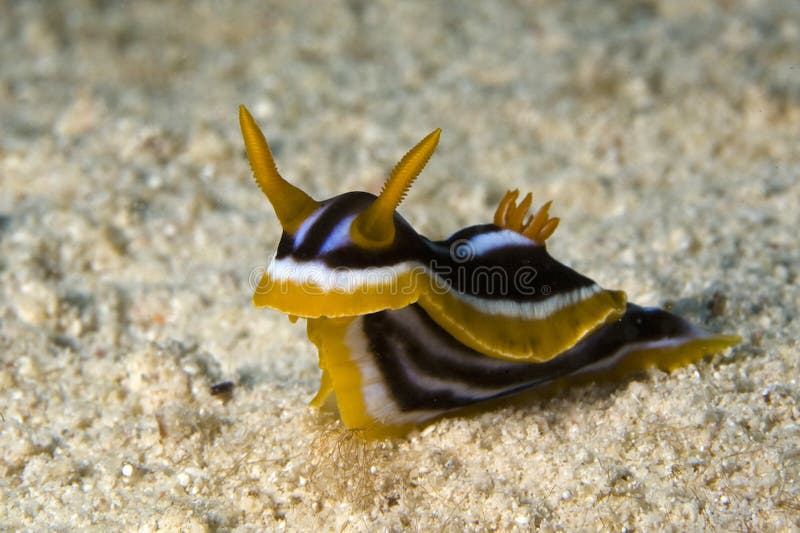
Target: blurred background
x,y
666,132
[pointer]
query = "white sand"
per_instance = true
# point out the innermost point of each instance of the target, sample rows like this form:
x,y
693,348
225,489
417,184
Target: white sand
x,y
666,133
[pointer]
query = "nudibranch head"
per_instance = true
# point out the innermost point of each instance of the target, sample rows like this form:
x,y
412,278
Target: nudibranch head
x,y
319,267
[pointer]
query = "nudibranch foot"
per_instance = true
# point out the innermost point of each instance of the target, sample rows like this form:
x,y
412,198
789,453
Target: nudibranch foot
x,y
396,369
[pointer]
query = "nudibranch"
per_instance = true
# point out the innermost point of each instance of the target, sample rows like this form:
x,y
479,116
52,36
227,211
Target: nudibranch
x,y
408,328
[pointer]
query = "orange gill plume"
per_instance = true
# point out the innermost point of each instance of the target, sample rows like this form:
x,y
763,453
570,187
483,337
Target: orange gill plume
x,y
538,227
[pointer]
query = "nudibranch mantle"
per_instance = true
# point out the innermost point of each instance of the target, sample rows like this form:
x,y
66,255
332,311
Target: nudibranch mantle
x,y
408,328
492,286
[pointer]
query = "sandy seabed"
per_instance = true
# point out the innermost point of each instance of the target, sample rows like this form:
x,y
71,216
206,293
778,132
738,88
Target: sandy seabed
x,y
666,132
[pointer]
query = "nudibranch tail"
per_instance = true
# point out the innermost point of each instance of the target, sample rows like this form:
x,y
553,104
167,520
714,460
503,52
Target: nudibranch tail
x,y
291,204
374,228
392,370
537,227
